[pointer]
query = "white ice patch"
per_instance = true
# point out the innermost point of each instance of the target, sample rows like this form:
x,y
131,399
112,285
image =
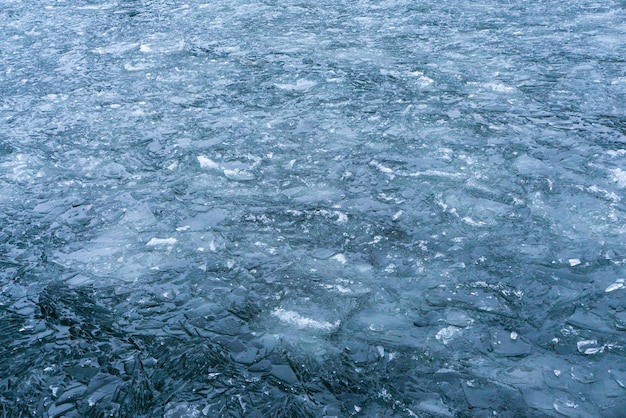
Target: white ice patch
x,y
619,177
230,173
499,87
617,153
381,350
608,195
382,168
422,80
24,168
338,288
155,242
589,347
162,46
136,67
618,284
472,222
341,217
299,85
237,174
436,173
339,258
207,163
105,6
295,319
445,335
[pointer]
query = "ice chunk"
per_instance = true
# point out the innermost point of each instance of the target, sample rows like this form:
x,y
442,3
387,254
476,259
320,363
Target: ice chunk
x,y
619,177
284,373
435,407
230,170
79,280
589,347
459,319
207,162
58,410
588,320
422,79
492,396
445,335
246,357
155,242
570,409
454,113
617,284
181,409
381,351
472,222
341,217
436,173
530,166
382,168
237,174
494,86
294,318
299,85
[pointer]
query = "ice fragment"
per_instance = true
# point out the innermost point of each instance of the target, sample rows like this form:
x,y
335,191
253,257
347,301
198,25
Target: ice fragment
x,y
619,177
589,347
445,335
618,284
154,242
284,373
294,318
574,262
207,163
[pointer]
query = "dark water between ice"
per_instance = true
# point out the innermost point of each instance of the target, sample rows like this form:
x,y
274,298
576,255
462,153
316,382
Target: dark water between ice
x,y
312,208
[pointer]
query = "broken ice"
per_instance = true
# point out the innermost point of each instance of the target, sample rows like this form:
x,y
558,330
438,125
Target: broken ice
x,y
307,209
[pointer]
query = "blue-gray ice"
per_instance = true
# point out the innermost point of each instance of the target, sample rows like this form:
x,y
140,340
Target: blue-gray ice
x,y
291,208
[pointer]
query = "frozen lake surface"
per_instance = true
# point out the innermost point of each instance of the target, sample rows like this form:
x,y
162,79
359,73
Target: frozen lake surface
x,y
257,208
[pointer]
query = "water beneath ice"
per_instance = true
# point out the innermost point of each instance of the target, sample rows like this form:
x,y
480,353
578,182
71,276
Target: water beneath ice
x,y
258,208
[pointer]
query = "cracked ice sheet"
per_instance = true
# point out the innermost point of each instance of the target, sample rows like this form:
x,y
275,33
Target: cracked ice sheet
x,y
259,197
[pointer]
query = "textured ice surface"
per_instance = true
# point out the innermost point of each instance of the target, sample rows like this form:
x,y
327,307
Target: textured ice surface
x,y
286,208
